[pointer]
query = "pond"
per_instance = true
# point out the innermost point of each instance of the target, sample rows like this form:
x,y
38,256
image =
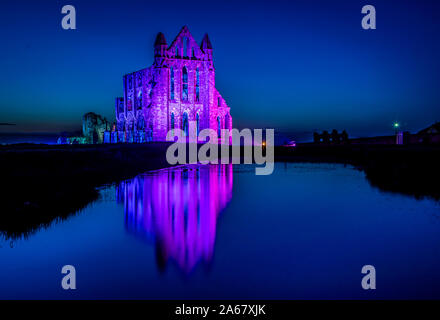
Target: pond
x,y
221,232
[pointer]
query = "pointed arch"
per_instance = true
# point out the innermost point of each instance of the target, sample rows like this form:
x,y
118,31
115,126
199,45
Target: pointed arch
x,y
219,126
172,120
227,120
197,124
172,83
172,123
140,123
185,84
197,85
138,101
150,132
185,46
185,124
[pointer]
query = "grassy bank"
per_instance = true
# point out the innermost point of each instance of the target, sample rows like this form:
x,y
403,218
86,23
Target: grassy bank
x,y
41,183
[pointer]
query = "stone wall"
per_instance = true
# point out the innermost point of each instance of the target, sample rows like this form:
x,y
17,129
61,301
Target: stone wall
x,y
94,127
149,103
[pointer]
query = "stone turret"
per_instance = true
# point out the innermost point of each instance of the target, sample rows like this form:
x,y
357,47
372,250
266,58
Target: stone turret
x,y
206,46
160,45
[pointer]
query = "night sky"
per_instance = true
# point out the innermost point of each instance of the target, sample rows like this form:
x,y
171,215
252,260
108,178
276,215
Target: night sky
x,y
290,65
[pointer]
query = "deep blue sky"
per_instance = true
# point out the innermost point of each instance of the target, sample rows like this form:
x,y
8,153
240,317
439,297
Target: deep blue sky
x,y
292,65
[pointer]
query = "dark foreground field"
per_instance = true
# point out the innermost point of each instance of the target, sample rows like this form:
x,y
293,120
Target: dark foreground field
x,y
42,183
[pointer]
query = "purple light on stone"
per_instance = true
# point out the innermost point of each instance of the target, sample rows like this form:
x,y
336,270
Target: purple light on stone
x,y
177,210
178,87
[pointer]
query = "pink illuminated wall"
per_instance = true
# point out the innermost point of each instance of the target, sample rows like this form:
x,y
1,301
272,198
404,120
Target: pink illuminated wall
x,y
178,87
177,209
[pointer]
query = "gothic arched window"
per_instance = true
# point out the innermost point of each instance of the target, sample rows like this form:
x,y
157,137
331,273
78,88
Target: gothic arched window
x,y
120,106
129,103
227,121
185,46
197,85
150,132
141,123
172,121
184,84
139,99
140,79
197,123
172,83
185,123
219,127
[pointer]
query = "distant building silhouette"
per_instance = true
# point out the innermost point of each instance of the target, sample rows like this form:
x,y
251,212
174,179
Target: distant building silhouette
x,y
330,138
430,134
432,129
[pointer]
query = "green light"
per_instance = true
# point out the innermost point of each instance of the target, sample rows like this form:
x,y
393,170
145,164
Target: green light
x,y
396,125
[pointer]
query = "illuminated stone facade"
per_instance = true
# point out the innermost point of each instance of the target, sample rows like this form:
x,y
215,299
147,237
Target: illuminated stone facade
x,y
179,87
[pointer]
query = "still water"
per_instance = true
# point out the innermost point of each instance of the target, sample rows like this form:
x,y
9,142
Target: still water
x,y
216,232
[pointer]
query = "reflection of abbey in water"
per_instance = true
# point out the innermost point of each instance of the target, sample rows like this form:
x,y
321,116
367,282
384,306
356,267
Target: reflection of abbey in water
x,y
177,208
